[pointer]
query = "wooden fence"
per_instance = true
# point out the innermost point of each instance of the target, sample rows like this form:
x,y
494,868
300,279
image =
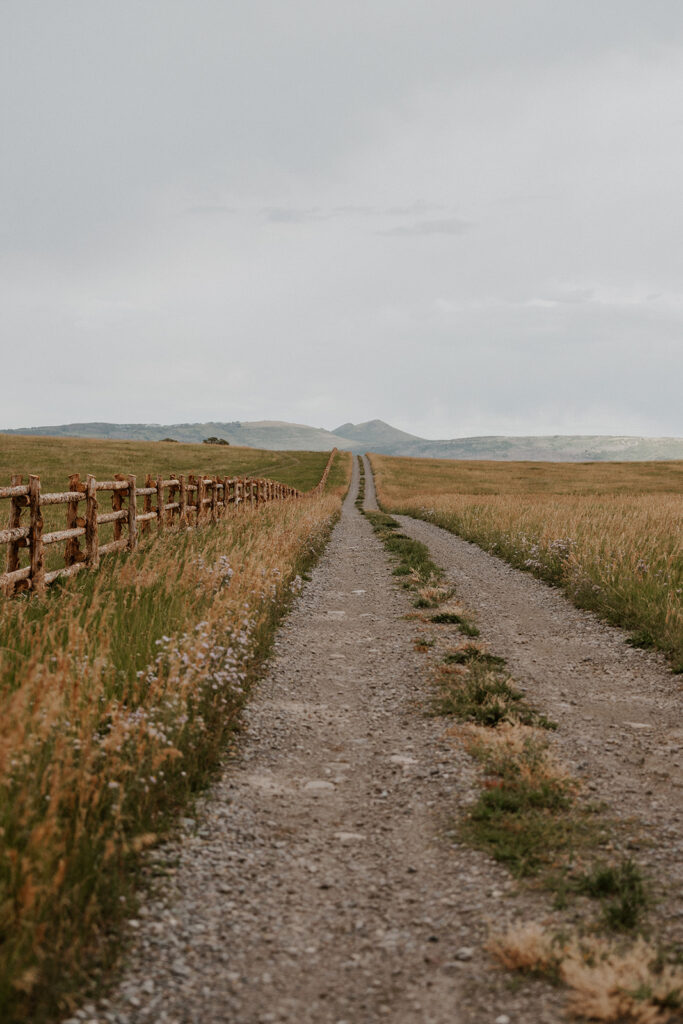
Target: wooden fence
x,y
179,500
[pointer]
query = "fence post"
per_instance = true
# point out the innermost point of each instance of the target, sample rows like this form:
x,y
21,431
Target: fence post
x,y
160,502
172,497
147,503
214,499
182,500
132,514
92,547
36,535
117,506
200,497
16,505
72,551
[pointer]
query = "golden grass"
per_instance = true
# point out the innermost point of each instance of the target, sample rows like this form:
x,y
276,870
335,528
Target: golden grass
x,y
118,692
610,534
513,747
447,476
54,458
607,982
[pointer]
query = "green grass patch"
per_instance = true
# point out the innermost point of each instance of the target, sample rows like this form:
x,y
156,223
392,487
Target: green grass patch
x,y
456,619
527,826
484,696
621,889
412,556
471,654
527,816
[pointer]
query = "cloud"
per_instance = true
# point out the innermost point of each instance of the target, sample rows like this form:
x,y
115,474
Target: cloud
x,y
443,226
413,209
293,215
210,210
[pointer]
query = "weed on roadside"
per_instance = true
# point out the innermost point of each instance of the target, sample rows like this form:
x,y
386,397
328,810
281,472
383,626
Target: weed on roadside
x,y
483,696
528,817
456,619
620,888
526,814
471,654
607,981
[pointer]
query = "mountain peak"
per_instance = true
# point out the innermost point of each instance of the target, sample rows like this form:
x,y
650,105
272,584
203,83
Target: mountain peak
x,y
374,432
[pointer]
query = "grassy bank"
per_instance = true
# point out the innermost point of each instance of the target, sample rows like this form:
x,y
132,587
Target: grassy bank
x,y
118,693
608,534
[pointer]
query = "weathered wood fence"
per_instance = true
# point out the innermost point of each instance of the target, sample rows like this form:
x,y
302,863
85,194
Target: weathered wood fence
x,y
185,501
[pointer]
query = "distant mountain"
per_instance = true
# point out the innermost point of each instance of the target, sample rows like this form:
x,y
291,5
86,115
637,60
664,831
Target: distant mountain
x,y
375,435
558,448
378,436
268,434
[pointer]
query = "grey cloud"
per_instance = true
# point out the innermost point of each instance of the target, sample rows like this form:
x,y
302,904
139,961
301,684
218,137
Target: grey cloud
x,y
445,226
292,215
210,210
415,209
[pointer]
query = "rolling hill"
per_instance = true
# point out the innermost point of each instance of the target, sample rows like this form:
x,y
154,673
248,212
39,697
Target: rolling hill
x,y
378,436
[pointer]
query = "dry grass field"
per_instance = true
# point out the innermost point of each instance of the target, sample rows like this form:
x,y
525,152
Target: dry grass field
x,y
54,458
609,534
118,692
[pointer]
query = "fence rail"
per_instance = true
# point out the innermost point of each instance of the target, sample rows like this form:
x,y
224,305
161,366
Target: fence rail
x,y
185,501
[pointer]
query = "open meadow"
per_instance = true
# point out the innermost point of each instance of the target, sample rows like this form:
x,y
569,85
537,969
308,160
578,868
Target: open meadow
x,y
119,689
609,534
55,458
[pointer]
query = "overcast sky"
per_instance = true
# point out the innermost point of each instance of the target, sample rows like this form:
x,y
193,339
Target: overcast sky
x,y
461,216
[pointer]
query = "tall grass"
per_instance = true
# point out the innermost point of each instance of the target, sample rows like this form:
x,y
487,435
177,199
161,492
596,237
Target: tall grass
x,y
618,554
118,692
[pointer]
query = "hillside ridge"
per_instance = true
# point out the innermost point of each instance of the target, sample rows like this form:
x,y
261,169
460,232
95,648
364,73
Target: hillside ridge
x,y
378,436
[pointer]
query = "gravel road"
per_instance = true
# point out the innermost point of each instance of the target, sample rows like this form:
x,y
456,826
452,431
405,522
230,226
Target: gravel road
x,y
319,880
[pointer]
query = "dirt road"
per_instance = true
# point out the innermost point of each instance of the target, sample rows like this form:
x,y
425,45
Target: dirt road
x,y
319,880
